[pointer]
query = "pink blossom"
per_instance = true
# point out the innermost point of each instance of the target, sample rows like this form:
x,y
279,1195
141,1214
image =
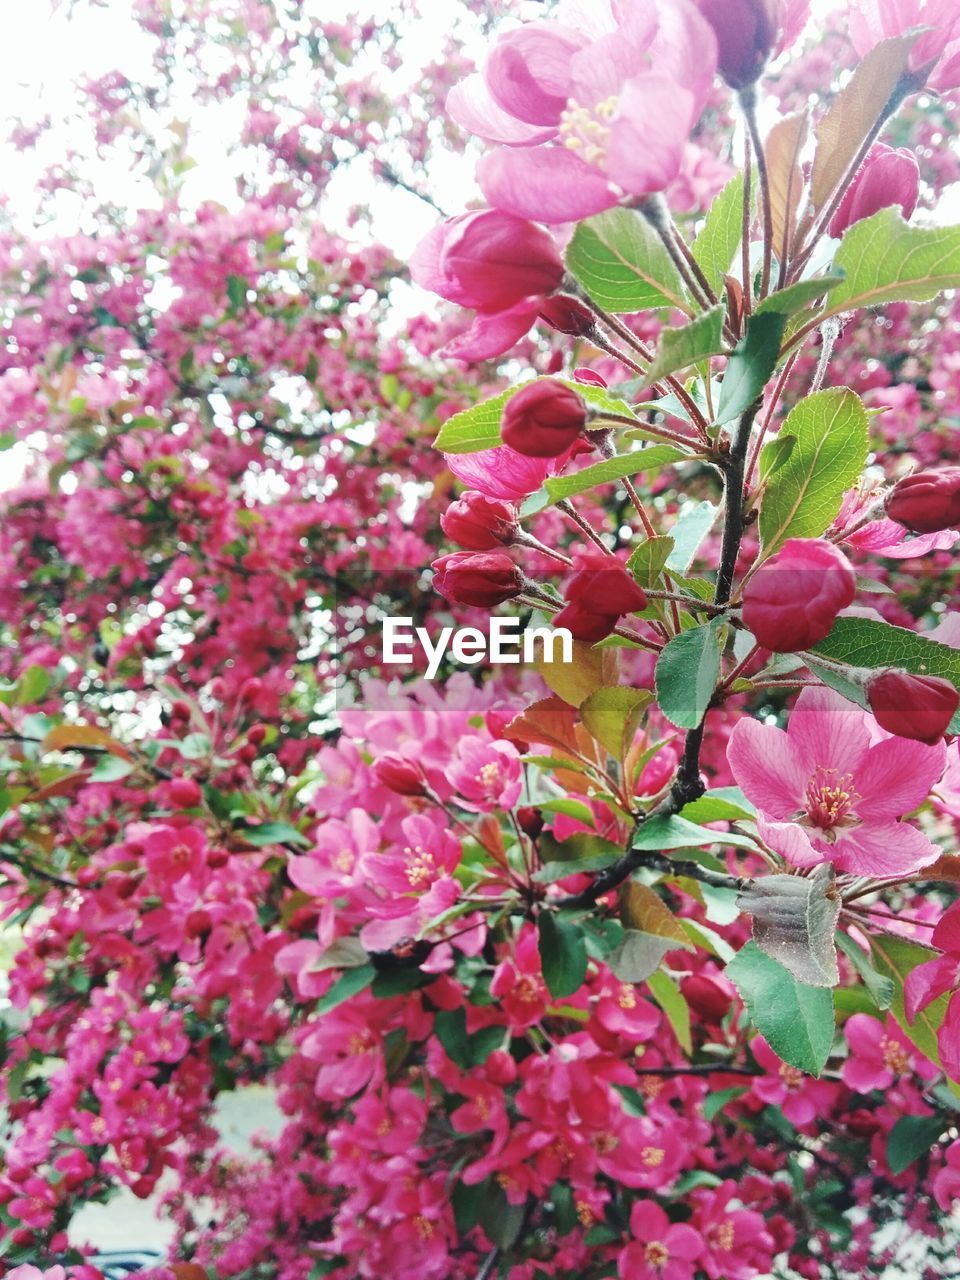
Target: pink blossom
x,y
736,1243
487,775
937,51
946,1183
782,1086
833,787
592,107
879,1053
502,472
662,1250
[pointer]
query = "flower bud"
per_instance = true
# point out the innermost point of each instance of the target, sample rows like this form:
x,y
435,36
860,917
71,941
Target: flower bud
x,y
488,260
746,32
568,315
584,625
888,176
403,776
479,523
927,501
483,578
185,793
910,706
544,419
597,595
530,820
791,602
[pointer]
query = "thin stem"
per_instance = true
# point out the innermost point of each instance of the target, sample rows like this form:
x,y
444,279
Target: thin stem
x,y
768,416
748,102
703,1069
570,511
654,209
745,241
639,507
692,263
621,419
829,333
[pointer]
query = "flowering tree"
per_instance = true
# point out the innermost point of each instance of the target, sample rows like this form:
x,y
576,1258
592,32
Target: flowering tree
x,y
640,963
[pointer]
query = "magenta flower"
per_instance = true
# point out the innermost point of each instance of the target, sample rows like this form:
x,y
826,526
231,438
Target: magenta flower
x,y
595,106
879,1053
833,787
487,775
934,978
946,1184
782,1086
736,1243
662,1250
937,51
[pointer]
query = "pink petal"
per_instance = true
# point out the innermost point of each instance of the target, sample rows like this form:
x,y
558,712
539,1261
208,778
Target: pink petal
x,y
920,545
896,776
528,71
474,108
648,1221
927,982
501,472
685,50
791,842
948,1039
946,935
683,1242
828,731
767,768
426,269
550,184
648,136
891,849
492,335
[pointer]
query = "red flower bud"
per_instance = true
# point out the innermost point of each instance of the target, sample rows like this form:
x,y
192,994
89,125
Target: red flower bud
x,y
888,176
483,578
602,585
185,793
530,820
597,595
927,501
480,523
746,32
544,419
488,260
568,315
791,601
910,706
706,996
400,775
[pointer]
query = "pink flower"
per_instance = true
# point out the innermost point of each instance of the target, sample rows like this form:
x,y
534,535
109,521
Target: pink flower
x,y
937,51
419,881
662,1250
487,775
879,1053
592,107
783,1086
735,1243
833,787
503,472
888,176
172,853
946,1183
934,978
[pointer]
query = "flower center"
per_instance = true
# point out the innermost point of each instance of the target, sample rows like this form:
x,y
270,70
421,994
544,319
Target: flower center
x,y
421,868
792,1077
652,1157
626,998
830,798
894,1055
723,1235
586,130
489,776
656,1253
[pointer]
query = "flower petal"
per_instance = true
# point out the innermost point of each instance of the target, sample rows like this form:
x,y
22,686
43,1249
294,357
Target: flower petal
x,y
492,335
828,731
928,981
648,137
791,842
550,184
471,104
767,768
891,849
896,776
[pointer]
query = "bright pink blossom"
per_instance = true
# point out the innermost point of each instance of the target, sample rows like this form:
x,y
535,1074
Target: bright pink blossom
x,y
661,1249
736,1243
879,1053
833,788
487,775
594,106
936,52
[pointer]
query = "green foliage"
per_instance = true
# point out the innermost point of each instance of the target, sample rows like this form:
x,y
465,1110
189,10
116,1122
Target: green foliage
x,y
610,469
686,674
563,954
621,262
680,348
796,1020
751,364
886,259
722,232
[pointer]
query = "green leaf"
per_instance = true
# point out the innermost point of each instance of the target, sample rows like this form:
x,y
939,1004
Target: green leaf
x,y
796,1020
612,715
714,1103
686,674
462,1048
690,528
723,804
610,469
347,985
664,833
880,988
563,954
553,871
794,922
911,1138
751,364
775,453
111,769
722,232
680,348
671,1000
867,642
31,686
639,955
622,263
889,260
804,494
895,958
796,297
267,833
648,558
570,808
236,292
